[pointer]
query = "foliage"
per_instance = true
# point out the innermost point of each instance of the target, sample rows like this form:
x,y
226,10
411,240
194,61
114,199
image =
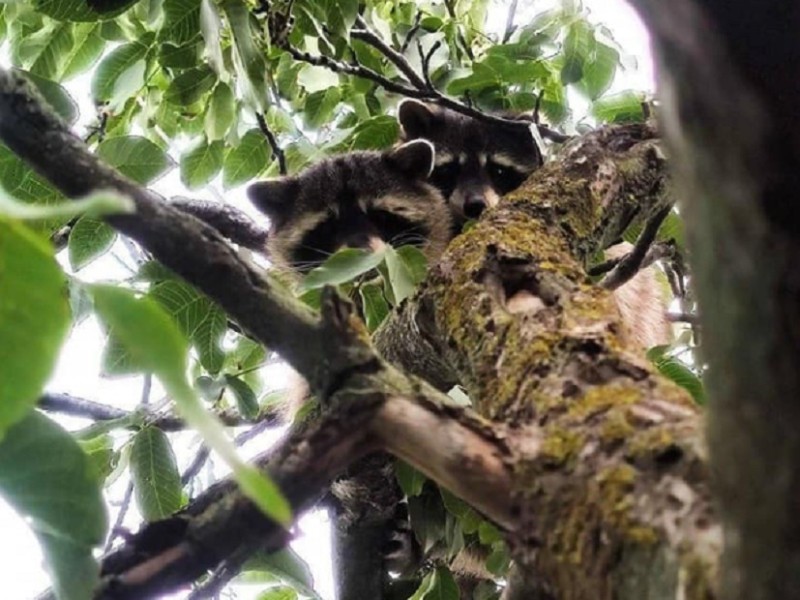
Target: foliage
x,y
181,83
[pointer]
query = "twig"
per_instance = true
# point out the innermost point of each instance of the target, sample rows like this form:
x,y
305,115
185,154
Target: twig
x,y
510,28
116,529
80,407
365,34
411,32
658,251
431,95
425,60
147,385
277,152
451,10
204,452
229,221
630,264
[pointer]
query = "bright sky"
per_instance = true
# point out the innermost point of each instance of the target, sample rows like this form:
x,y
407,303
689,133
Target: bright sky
x,y
21,568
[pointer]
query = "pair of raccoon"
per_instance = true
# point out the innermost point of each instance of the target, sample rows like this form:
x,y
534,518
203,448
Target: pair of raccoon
x,y
448,169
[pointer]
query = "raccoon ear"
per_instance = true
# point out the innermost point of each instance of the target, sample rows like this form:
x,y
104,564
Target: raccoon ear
x,y
416,118
415,159
274,196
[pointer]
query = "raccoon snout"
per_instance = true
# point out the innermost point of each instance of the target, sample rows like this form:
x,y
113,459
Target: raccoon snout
x,y
473,206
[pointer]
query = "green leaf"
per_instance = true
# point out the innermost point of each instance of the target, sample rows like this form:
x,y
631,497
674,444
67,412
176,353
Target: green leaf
x,y
246,160
672,368
245,397
376,309
202,321
250,56
320,105
221,112
23,184
45,50
279,593
181,21
201,164
375,133
34,318
135,156
179,57
121,72
154,473
97,203
82,10
437,585
619,108
286,565
598,73
188,87
46,477
88,240
411,481
55,95
498,561
156,344
86,51
345,265
102,456
403,276
72,567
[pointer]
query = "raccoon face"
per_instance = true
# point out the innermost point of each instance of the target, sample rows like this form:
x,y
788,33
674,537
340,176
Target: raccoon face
x,y
358,200
476,162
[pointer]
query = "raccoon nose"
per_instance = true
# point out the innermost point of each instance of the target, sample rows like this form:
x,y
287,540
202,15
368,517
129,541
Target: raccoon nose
x,y
473,206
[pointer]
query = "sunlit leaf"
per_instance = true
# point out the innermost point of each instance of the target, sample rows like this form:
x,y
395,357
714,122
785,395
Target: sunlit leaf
x,y
34,317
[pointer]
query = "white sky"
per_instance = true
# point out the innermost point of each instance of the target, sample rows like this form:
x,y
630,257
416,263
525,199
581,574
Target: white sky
x,y
21,570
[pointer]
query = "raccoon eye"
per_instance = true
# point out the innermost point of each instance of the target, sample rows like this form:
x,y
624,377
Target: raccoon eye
x,y
396,229
444,177
504,179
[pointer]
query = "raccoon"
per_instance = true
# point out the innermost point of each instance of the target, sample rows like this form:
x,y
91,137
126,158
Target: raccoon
x,y
476,162
358,200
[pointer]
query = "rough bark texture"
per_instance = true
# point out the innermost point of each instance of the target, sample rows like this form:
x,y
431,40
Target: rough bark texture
x,y
730,86
601,445
592,465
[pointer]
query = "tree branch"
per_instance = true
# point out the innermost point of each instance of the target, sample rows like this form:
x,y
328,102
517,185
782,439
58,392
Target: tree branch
x,y
630,264
277,151
67,404
365,34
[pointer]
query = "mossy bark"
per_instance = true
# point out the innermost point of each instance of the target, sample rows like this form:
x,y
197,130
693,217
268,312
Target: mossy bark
x,y
609,470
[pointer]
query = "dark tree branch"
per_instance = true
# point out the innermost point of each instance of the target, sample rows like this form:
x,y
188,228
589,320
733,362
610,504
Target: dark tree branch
x,y
229,221
431,95
658,251
67,404
177,240
510,27
365,34
116,528
277,151
411,32
633,262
